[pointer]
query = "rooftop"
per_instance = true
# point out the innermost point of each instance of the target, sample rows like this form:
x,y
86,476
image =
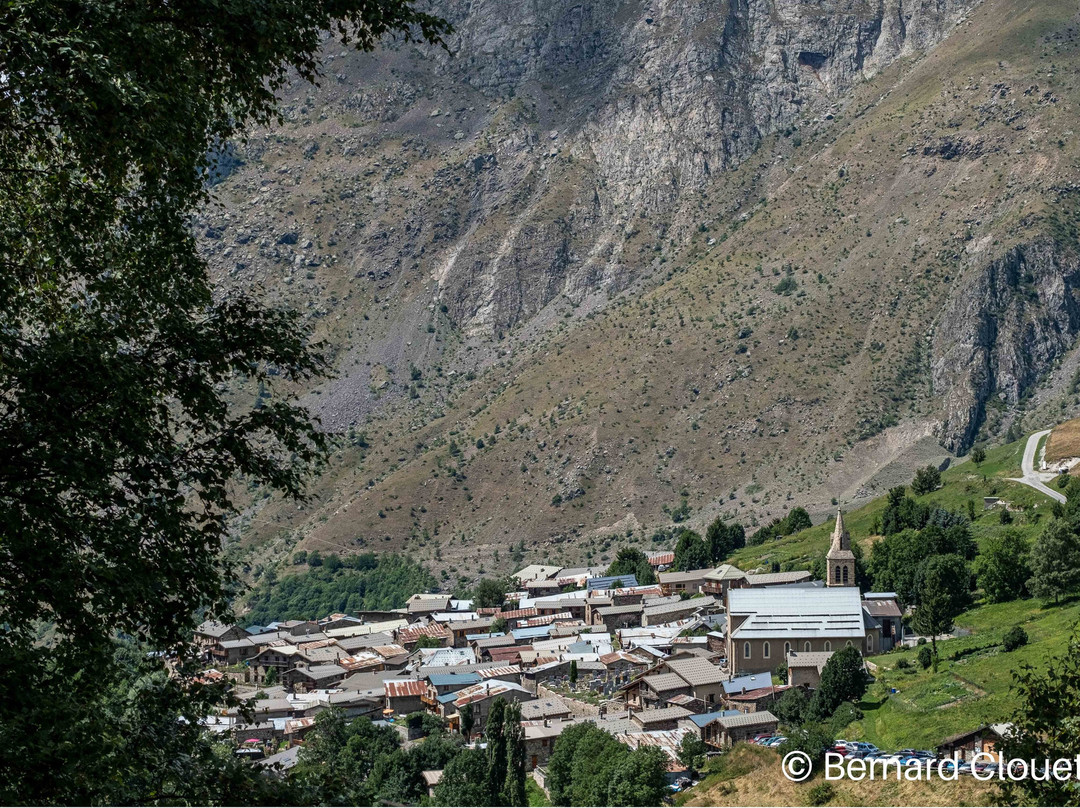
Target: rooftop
x,y
661,714
796,612
696,671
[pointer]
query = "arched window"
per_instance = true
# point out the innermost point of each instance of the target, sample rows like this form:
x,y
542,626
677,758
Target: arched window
x,y
828,645
746,650
836,575
765,649
869,642
849,643
807,647
845,575
787,649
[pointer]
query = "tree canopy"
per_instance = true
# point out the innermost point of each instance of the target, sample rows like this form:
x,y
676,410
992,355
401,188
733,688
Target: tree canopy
x,y
1055,560
842,679
691,552
119,441
588,766
632,561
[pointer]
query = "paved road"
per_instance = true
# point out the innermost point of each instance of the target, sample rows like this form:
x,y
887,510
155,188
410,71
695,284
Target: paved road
x,y
1037,479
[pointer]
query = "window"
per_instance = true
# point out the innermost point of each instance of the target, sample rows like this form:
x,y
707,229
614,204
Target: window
x,y
869,642
787,649
828,645
807,647
746,650
765,650
845,575
836,575
849,643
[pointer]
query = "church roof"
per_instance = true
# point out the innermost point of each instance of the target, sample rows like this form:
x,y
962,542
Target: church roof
x,y
840,548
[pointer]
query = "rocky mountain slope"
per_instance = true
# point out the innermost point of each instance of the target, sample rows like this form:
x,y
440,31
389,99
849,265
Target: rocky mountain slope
x,y
605,267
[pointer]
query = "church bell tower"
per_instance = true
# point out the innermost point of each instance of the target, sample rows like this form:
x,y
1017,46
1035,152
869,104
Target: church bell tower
x,y
840,561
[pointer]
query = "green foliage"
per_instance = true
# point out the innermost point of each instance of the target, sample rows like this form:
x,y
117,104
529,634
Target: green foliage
x,y
905,513
820,793
588,766
978,455
513,792
812,739
927,480
796,520
1014,638
791,707
896,561
464,781
943,592
1055,561
490,593
842,679
371,582
573,671
122,441
495,738
925,656
632,561
691,552
468,720
639,779
1002,567
692,751
786,286
722,540
1047,700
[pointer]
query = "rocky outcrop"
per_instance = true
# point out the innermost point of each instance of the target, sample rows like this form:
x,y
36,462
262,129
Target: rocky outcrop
x,y
1002,332
629,108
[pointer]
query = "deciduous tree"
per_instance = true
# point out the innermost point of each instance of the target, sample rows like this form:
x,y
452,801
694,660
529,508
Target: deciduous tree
x,y
119,440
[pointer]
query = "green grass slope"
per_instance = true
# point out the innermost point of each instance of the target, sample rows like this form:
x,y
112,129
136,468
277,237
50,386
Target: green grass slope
x,y
971,685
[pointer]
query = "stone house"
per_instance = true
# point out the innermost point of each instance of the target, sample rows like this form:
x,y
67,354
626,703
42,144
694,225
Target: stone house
x,y
805,667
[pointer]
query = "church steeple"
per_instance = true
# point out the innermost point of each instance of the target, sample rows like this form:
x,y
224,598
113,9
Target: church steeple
x,y
841,540
840,561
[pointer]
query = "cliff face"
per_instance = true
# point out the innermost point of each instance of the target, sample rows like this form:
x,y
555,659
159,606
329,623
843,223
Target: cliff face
x,y
608,259
1003,332
628,110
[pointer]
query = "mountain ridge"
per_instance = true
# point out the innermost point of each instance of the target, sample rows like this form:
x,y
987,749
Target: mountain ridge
x,y
814,314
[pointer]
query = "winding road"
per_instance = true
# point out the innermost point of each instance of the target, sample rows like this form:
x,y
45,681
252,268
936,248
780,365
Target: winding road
x,y
1036,479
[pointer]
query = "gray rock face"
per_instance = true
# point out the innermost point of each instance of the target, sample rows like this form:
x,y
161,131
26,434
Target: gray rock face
x,y
559,152
629,107
1002,332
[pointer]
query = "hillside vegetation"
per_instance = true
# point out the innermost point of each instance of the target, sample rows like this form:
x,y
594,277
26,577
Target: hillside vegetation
x,y
793,339
750,775
972,682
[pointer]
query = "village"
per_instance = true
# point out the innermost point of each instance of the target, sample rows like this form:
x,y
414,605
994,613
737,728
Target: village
x,y
703,652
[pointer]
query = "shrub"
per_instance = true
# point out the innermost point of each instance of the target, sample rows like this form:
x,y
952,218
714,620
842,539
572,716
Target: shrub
x,y
820,794
926,657
927,479
1014,638
903,664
